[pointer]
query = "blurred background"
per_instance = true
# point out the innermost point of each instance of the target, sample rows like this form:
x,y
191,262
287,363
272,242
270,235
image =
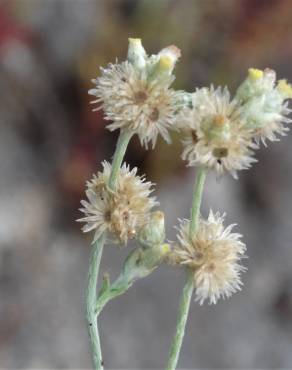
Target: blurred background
x,y
51,143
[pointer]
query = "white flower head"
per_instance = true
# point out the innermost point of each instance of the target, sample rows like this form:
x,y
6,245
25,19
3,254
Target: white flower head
x,y
121,212
215,134
136,93
213,254
264,104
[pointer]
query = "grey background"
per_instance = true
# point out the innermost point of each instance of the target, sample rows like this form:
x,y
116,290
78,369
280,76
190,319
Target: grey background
x,y
50,143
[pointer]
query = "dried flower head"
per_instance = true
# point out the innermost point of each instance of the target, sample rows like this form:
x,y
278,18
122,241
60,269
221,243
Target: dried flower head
x,y
213,255
264,104
216,137
136,94
121,212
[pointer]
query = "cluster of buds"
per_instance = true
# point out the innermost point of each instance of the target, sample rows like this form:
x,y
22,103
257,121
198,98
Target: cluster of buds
x,y
220,133
264,104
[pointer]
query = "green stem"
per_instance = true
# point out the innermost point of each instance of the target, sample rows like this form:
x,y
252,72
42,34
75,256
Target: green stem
x,y
181,322
189,287
96,253
121,147
119,287
91,316
197,199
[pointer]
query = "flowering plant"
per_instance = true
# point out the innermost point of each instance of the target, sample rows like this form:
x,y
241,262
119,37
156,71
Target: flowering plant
x,y
220,134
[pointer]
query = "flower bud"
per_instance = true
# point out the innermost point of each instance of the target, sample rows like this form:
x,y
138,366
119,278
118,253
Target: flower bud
x,y
142,261
255,74
285,89
166,60
136,53
257,83
153,232
173,53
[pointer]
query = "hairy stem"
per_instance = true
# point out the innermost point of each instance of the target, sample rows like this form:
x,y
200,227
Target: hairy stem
x,y
119,287
197,199
181,322
96,253
121,148
91,316
189,287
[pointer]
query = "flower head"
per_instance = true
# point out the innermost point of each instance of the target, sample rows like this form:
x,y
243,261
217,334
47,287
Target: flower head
x,y
121,212
215,134
264,104
213,254
136,93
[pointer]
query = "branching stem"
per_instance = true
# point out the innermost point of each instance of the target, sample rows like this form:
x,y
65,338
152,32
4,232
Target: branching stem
x,y
96,253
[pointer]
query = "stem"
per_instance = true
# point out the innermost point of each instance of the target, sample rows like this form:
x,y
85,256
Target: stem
x,y
181,322
120,151
117,288
189,287
197,199
96,253
91,301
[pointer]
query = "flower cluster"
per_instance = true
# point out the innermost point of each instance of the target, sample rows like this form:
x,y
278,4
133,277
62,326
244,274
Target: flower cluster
x,y
221,134
213,255
122,212
136,93
264,104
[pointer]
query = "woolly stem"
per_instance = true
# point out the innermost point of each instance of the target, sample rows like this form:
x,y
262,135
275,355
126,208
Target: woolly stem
x,y
197,199
120,151
181,321
91,294
96,253
189,286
